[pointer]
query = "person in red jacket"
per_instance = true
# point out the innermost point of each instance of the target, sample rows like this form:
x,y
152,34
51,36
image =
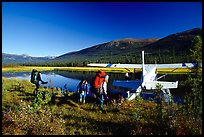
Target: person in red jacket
x,y
99,78
97,88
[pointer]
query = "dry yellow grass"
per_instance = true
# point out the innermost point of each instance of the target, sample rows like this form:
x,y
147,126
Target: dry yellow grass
x,y
122,70
25,68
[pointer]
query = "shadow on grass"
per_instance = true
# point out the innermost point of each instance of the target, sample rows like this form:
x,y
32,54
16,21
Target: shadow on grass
x,y
66,99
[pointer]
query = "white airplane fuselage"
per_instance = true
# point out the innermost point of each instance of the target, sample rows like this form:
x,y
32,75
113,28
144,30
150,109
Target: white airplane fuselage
x,y
147,82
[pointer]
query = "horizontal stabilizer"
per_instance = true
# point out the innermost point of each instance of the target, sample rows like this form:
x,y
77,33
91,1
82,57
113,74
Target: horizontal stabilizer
x,y
165,85
127,83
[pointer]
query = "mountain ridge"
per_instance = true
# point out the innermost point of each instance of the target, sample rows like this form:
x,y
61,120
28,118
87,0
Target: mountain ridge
x,y
180,42
8,58
121,50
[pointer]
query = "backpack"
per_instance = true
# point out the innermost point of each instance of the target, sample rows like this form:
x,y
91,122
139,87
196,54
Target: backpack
x,y
34,74
97,81
92,88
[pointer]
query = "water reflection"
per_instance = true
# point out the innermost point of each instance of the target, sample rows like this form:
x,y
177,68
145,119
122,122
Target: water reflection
x,y
19,75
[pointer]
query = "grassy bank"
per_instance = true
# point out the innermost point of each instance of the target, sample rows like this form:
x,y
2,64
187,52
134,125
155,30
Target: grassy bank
x,y
23,113
26,69
122,70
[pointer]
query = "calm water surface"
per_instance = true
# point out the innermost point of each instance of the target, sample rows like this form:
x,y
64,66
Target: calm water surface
x,y
71,79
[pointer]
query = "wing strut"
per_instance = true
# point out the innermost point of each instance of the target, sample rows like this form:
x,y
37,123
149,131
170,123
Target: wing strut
x,y
166,74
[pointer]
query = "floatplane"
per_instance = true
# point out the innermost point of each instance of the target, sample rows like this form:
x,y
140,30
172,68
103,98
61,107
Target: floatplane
x,y
149,80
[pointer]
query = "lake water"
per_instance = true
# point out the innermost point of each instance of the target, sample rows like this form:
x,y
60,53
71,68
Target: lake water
x,y
71,79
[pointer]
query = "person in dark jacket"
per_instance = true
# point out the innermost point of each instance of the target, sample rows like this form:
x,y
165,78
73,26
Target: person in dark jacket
x,y
35,79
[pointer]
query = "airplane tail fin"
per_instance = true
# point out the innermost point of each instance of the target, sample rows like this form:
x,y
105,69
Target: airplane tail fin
x,y
149,71
143,66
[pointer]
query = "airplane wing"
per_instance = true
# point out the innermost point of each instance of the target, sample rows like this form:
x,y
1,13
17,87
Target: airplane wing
x,y
127,83
115,65
176,65
165,85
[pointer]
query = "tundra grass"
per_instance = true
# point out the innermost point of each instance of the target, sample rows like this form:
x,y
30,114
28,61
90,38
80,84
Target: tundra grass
x,y
94,69
26,68
68,117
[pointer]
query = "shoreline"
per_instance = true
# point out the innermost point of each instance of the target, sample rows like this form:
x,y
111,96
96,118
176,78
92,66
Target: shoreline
x,y
94,69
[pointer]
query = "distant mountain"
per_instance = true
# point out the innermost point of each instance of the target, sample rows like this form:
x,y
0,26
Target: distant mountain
x,y
115,47
18,59
177,44
180,42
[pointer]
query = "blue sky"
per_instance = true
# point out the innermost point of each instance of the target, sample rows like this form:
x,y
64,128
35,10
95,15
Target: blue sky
x,y
56,28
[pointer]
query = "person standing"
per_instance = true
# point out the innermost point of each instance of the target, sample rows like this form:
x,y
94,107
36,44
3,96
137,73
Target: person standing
x,y
82,90
35,79
99,88
105,86
105,91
